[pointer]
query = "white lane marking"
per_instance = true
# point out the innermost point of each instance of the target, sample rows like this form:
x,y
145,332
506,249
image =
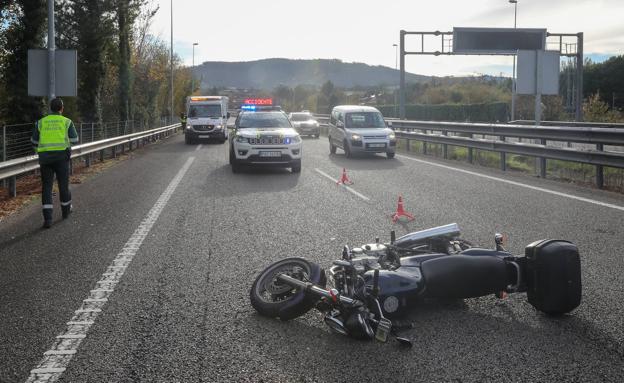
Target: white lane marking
x,y
199,147
536,188
57,358
362,196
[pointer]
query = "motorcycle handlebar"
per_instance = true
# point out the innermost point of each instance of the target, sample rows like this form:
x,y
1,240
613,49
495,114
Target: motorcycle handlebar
x,y
312,288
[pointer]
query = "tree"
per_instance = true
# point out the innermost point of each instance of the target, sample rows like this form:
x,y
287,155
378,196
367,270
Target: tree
x,y
24,29
127,12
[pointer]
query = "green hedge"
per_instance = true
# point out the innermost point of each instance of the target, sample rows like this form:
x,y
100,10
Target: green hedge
x,y
493,112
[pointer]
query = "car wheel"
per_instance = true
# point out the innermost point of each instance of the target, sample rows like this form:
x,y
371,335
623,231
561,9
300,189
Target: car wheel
x,y
332,147
187,140
296,168
232,156
390,155
347,150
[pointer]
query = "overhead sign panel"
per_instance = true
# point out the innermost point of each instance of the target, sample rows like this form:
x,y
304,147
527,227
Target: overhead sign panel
x,y
497,41
66,81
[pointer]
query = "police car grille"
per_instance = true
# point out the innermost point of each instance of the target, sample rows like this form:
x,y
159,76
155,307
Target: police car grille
x,y
375,137
203,128
266,141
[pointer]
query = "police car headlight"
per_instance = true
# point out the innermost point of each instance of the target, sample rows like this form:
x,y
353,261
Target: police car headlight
x,y
356,137
241,139
392,136
292,140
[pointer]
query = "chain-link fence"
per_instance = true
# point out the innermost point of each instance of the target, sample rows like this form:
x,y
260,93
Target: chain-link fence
x,y
15,139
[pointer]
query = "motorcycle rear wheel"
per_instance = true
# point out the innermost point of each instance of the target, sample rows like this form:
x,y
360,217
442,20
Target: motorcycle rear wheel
x,y
272,298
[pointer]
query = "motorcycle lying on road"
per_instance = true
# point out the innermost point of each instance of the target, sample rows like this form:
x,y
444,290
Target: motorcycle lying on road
x,y
368,286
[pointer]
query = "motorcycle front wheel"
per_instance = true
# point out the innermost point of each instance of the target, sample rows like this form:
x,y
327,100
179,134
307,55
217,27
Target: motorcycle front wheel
x,y
273,298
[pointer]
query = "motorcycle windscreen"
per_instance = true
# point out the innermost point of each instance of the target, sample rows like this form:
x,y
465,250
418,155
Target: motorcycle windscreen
x,y
457,276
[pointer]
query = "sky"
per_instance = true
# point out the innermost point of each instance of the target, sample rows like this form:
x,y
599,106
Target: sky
x,y
365,30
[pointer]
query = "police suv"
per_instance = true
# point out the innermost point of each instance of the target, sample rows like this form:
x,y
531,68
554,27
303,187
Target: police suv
x,y
263,136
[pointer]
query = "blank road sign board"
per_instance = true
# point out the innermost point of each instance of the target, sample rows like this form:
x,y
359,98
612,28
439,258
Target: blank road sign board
x,y
538,72
65,68
497,41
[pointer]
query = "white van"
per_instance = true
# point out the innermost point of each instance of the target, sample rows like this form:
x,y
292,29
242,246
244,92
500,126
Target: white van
x,y
207,118
360,129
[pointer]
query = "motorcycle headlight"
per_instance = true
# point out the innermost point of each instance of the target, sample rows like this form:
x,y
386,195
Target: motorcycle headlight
x,y
392,136
356,137
241,139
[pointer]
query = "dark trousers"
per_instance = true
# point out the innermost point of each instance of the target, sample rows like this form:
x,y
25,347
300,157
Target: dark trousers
x,y
61,169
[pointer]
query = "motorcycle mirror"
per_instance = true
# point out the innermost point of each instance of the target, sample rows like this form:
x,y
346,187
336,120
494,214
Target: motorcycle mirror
x,y
404,342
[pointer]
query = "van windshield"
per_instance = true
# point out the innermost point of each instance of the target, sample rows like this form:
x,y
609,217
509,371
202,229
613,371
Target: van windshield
x,y
213,110
361,120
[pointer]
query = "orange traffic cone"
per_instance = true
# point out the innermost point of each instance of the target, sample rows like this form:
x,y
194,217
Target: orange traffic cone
x,y
401,212
344,179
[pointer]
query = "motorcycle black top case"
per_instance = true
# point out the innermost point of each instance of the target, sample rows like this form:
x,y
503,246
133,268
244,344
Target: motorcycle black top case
x,y
553,276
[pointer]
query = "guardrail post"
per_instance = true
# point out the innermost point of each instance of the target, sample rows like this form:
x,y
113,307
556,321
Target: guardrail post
x,y
88,160
113,151
445,147
542,162
80,134
4,149
408,144
102,155
13,186
503,158
599,170
470,152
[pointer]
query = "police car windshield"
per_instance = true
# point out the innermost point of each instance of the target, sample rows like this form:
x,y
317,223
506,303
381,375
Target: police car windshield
x,y
300,117
263,120
204,111
362,120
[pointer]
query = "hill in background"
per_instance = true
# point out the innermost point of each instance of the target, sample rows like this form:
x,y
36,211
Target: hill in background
x,y
269,73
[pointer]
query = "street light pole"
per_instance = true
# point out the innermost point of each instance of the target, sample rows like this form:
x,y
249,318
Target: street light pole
x,y
171,62
51,53
513,81
193,70
396,65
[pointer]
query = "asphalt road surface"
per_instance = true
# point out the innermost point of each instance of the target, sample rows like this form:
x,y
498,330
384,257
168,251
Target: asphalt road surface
x,y
186,237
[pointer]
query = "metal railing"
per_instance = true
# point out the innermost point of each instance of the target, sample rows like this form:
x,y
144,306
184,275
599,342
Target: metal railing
x,y
12,168
598,146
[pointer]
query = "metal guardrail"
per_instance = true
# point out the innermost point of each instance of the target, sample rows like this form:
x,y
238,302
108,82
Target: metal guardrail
x,y
461,134
12,168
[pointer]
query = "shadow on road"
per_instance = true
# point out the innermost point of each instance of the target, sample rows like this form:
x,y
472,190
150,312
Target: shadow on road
x,y
365,161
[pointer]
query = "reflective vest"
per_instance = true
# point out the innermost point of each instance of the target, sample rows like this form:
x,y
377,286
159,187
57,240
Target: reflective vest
x,y
53,133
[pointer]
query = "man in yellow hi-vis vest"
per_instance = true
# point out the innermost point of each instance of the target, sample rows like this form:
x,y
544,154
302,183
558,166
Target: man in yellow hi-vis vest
x,y
53,136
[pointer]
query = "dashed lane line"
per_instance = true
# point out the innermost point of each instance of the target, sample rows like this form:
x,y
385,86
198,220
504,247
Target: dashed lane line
x,y
57,358
536,188
199,147
350,189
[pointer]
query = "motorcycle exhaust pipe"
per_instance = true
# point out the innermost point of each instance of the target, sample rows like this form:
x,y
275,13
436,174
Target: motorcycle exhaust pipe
x,y
446,232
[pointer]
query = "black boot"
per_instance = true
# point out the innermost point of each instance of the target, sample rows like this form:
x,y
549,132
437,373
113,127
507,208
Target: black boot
x,y
66,210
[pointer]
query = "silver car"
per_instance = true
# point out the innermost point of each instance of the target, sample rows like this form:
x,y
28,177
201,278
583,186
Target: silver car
x,y
360,129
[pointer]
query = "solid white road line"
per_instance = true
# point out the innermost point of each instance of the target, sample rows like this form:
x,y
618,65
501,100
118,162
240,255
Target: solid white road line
x,y
362,196
56,359
536,188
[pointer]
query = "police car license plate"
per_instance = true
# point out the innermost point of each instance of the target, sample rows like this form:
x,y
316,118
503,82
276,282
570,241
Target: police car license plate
x,y
376,145
270,154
